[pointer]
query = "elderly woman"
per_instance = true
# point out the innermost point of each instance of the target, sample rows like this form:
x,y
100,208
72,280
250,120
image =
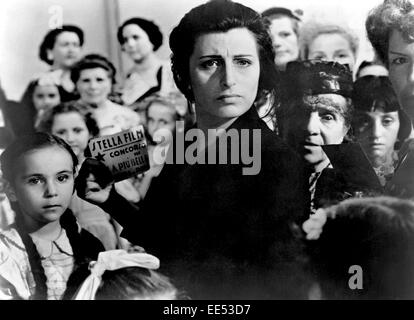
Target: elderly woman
x,y
284,28
140,39
379,123
220,231
330,42
390,29
317,111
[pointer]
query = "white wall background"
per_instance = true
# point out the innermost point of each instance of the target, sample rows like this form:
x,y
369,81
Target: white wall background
x,y
23,24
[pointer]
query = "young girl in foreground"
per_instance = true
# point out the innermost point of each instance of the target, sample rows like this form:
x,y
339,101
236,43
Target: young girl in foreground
x,y
41,250
76,126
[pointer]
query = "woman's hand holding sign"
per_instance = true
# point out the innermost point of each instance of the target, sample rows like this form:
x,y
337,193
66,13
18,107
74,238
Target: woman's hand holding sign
x,y
94,181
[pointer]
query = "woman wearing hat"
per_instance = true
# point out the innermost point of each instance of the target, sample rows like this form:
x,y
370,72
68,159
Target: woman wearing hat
x,y
317,111
380,125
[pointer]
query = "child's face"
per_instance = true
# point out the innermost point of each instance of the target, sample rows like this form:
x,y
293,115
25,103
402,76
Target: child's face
x,y
45,97
72,128
43,185
160,116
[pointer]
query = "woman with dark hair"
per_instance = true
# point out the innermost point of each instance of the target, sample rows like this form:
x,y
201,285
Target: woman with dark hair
x,y
315,112
219,230
379,123
140,39
390,28
284,27
61,49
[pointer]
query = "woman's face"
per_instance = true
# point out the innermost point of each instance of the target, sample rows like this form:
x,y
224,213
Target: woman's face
x,y
45,97
313,122
332,47
401,69
66,50
72,128
160,116
285,41
136,43
94,85
224,75
377,132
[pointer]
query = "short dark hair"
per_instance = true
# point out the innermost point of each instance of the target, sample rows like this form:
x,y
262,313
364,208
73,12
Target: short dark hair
x,y
49,40
46,120
151,29
371,93
383,19
220,16
92,61
22,145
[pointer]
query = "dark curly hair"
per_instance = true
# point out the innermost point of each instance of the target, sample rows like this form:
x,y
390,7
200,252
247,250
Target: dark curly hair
x,y
152,30
220,16
49,40
388,16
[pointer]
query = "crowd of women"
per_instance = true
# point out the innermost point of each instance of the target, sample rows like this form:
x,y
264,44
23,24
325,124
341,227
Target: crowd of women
x,y
329,215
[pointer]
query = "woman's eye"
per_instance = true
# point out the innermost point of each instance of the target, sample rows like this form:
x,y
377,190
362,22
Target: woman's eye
x,y
243,62
210,64
60,132
399,60
77,130
327,117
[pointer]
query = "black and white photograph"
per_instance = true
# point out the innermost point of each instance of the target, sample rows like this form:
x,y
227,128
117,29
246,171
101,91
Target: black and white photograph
x,y
202,150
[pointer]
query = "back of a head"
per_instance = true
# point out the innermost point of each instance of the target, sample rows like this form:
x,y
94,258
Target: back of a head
x,y
135,283
376,234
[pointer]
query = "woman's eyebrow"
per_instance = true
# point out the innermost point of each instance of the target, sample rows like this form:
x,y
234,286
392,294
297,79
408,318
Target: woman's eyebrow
x,y
398,53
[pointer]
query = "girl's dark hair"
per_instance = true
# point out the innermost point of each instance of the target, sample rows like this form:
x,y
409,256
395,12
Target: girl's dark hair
x,y
92,61
22,145
151,29
220,16
46,121
371,93
49,40
134,283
